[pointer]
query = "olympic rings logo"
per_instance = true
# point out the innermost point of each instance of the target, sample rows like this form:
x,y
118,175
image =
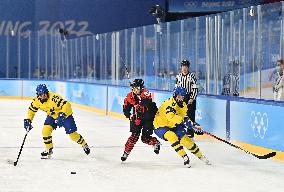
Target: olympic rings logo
x,y
259,124
189,4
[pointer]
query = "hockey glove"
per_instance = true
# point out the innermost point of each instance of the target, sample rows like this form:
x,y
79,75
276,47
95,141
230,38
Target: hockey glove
x,y
190,133
187,123
28,124
60,119
197,129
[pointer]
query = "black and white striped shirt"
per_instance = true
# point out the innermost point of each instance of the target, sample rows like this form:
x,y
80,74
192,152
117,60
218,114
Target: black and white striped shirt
x,y
189,82
277,77
231,83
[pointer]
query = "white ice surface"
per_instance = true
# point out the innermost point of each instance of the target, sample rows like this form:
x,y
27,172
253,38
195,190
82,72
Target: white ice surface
x,y
232,169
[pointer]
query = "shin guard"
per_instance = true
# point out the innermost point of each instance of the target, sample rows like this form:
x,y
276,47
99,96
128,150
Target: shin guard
x,y
132,140
47,138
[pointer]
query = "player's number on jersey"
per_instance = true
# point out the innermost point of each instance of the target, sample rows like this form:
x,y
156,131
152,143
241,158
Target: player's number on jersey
x,y
55,98
147,93
169,109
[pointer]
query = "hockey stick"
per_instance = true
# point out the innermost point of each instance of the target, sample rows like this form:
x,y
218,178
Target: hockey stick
x,y
16,162
126,70
266,156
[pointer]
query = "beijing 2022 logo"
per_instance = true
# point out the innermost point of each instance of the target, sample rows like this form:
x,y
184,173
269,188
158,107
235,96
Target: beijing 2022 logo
x,y
259,124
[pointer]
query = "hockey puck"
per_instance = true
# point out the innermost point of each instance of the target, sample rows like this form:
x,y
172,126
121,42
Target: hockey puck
x,y
73,172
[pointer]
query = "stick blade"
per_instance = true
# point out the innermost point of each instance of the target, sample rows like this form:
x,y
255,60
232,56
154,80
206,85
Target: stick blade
x,y
266,156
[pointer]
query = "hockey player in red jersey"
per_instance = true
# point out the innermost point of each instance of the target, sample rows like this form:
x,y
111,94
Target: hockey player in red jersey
x,y
140,110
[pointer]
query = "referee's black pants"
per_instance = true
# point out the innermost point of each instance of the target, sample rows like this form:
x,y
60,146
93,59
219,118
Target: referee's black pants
x,y
191,111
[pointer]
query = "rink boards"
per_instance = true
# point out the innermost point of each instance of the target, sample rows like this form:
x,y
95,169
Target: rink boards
x,y
254,124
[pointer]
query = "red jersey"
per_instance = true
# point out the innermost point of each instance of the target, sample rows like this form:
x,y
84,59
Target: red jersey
x,y
139,106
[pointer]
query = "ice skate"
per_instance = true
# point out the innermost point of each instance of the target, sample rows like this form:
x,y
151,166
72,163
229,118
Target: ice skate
x,y
205,160
124,156
86,149
46,154
186,161
157,147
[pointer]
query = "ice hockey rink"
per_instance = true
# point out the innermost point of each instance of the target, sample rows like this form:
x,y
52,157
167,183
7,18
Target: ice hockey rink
x,y
232,170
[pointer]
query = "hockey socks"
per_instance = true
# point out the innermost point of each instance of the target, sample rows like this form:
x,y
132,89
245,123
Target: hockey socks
x,y
48,142
132,140
77,138
46,135
173,139
81,141
191,146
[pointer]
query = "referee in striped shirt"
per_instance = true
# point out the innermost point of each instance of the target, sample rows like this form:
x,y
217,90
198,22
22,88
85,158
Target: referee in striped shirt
x,y
188,80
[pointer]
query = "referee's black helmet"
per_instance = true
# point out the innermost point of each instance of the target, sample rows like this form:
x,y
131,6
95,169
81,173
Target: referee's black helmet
x,y
185,63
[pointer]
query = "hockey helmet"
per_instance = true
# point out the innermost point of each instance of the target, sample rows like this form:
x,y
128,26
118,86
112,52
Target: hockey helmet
x,y
185,63
41,89
137,83
179,91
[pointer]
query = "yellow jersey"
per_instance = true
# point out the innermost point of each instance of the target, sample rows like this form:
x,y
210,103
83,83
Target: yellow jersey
x,y
52,106
170,114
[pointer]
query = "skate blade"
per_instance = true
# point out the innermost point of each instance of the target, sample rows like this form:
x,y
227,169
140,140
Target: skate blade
x,y
187,166
48,157
157,152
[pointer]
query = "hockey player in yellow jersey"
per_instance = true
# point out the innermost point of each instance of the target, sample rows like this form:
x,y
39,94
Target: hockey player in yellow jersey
x,y
171,124
59,113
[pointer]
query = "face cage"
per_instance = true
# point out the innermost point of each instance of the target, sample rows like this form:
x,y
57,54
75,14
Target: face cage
x,y
136,88
38,95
